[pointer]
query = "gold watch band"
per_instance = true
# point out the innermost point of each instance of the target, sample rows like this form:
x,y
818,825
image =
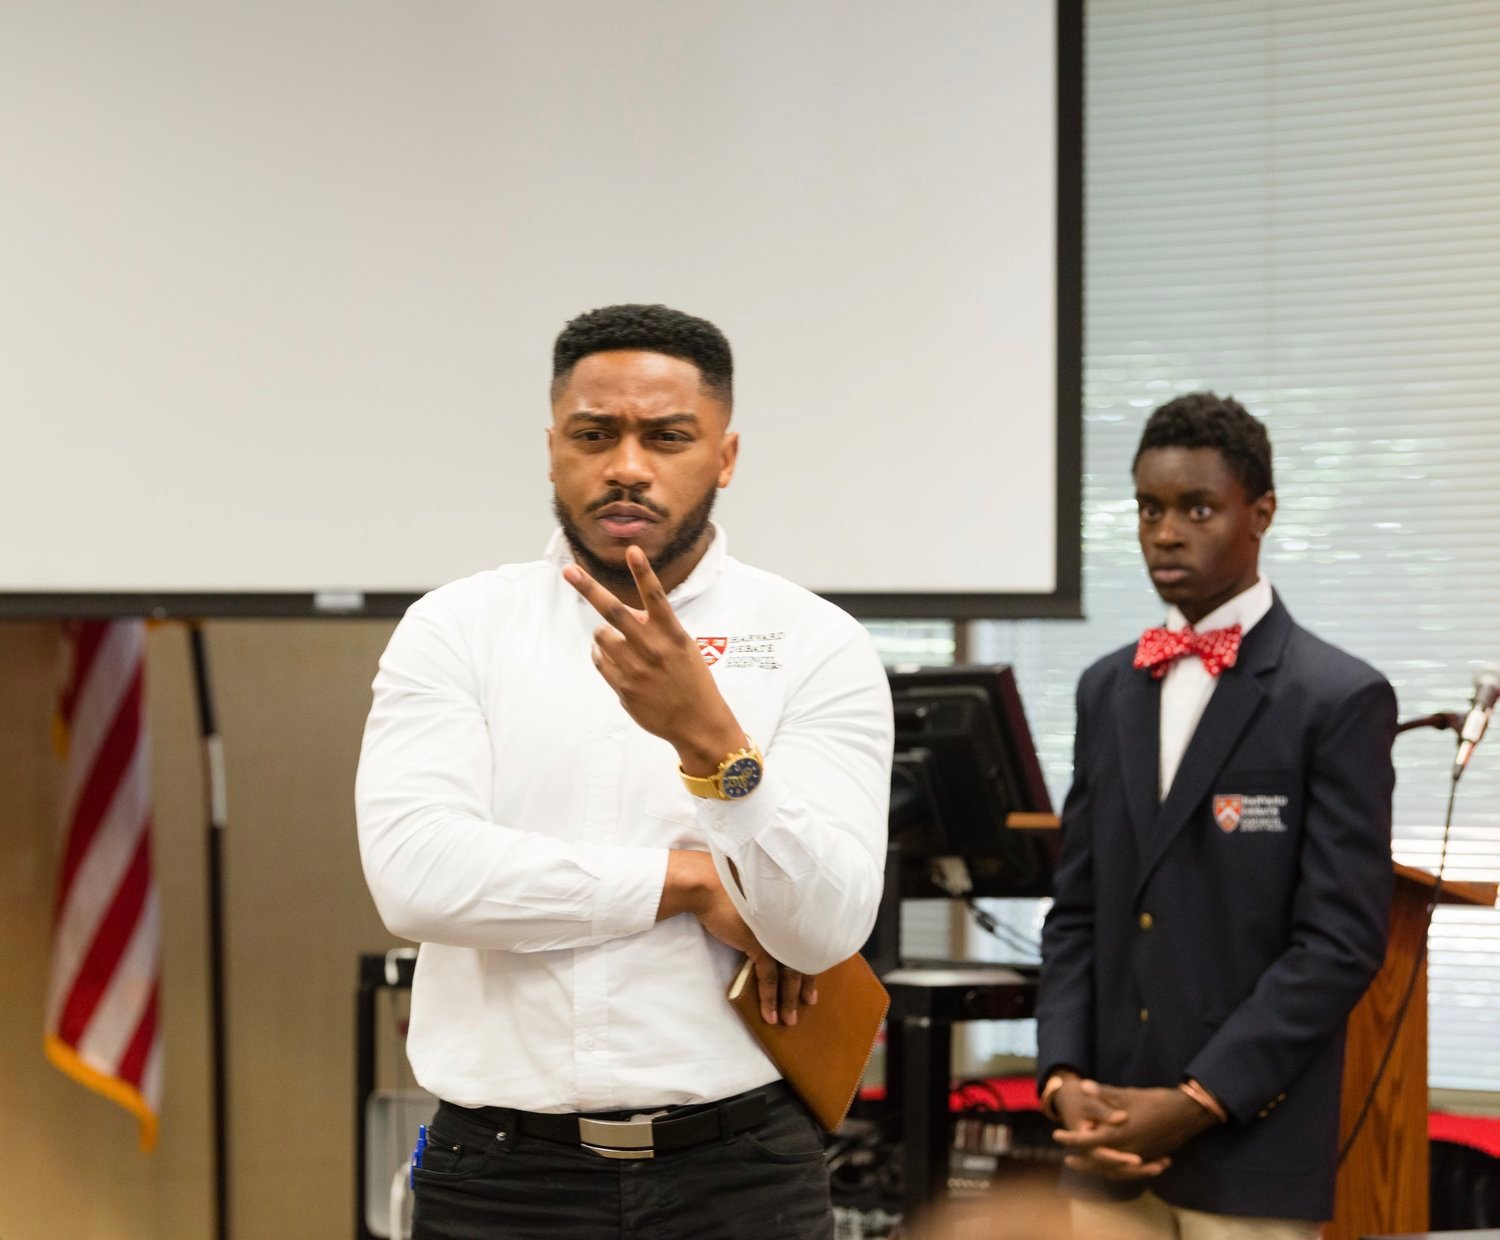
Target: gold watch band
x,y
705,786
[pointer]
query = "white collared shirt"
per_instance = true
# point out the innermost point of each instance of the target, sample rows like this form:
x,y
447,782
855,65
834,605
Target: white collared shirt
x,y
1187,686
515,821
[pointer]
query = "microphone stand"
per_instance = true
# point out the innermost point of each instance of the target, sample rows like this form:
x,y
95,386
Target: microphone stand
x,y
1450,720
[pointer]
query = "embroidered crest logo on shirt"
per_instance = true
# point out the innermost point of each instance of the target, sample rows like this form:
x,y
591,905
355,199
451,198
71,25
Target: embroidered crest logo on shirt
x,y
1158,649
1248,813
741,650
1227,811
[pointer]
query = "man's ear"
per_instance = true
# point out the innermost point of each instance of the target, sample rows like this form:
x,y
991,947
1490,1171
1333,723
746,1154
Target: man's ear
x,y
550,471
1263,513
729,453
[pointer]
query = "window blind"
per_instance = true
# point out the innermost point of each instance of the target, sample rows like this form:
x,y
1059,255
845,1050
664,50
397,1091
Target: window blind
x,y
1295,203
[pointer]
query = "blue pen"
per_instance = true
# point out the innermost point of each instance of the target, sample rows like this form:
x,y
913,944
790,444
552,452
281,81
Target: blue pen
x,y
416,1156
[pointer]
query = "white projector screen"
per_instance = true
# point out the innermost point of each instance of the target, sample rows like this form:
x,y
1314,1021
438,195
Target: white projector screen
x,y
279,282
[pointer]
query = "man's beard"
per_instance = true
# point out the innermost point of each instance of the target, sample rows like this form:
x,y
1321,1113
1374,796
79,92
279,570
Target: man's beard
x,y
617,577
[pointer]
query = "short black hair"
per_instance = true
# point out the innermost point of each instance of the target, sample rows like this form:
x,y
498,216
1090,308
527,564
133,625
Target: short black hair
x,y
1204,420
653,329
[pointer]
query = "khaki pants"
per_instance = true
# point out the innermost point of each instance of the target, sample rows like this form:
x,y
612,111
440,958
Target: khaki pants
x,y
1148,1217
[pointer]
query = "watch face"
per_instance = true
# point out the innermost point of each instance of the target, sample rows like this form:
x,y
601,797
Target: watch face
x,y
741,777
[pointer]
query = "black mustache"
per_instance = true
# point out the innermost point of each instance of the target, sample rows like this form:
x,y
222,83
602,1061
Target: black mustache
x,y
621,496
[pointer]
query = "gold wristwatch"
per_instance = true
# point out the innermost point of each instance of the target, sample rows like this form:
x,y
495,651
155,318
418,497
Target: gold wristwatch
x,y
737,777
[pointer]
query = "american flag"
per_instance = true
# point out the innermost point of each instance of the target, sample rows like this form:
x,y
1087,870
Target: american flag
x,y
102,1016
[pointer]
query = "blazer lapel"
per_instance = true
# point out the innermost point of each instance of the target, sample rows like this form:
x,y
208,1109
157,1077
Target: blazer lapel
x,y
1138,728
1234,703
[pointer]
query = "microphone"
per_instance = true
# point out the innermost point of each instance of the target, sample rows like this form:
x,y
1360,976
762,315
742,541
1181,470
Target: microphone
x,y
1486,691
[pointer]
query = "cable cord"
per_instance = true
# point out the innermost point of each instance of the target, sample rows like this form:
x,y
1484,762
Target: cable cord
x,y
1007,935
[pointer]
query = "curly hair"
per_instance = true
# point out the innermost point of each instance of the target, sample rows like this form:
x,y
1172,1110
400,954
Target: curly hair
x,y
1204,420
653,329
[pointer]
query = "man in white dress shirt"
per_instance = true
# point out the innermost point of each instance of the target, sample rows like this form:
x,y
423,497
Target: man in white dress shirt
x,y
1225,882
589,785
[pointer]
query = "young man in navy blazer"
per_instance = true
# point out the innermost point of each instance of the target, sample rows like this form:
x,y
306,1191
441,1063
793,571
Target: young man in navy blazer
x,y
1225,883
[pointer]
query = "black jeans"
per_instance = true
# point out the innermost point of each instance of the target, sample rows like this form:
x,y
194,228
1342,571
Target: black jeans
x,y
768,1183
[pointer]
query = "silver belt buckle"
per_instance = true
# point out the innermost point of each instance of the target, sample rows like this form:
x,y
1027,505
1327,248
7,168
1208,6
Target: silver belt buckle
x,y
617,1138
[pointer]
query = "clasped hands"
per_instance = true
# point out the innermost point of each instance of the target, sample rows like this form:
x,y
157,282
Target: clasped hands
x,y
656,669
1123,1133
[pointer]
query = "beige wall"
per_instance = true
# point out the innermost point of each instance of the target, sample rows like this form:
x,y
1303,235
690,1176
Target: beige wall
x,y
291,697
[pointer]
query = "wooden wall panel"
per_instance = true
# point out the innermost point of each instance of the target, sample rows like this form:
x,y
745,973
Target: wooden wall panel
x,y
292,698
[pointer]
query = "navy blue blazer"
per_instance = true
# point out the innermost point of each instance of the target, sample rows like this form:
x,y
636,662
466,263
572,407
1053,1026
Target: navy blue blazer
x,y
1225,932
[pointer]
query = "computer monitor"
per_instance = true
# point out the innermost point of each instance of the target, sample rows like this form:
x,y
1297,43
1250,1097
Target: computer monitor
x,y
964,764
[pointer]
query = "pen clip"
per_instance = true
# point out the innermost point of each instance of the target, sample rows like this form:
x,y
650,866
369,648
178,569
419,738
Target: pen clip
x,y
416,1156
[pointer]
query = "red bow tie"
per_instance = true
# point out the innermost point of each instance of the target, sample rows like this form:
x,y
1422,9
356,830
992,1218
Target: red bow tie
x,y
1158,649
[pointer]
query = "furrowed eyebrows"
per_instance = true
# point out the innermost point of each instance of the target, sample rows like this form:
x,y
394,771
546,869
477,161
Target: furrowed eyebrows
x,y
1186,497
613,419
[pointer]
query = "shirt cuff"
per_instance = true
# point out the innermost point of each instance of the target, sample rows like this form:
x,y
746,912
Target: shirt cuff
x,y
1234,1106
730,825
631,881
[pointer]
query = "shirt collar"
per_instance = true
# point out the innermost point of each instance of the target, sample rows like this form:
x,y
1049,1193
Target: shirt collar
x,y
1246,609
698,581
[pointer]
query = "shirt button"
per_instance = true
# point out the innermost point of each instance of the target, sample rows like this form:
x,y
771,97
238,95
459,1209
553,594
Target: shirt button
x,y
1145,1015
588,1044
1147,921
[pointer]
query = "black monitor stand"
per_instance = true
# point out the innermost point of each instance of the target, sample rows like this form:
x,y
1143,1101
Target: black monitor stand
x,y
969,806
928,997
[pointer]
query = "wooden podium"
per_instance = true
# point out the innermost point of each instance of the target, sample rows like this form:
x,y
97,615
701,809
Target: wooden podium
x,y
1382,1186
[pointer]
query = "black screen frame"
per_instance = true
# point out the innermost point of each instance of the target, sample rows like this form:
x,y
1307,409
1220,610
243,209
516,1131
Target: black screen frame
x,y
1065,601
992,870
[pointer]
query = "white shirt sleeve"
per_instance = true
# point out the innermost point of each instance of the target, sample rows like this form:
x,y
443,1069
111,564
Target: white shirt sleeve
x,y
439,870
809,844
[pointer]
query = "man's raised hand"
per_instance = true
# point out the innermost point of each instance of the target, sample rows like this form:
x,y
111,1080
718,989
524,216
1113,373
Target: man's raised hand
x,y
655,668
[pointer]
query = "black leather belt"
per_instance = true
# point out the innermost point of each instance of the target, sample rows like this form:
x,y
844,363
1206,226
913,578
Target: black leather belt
x,y
679,1128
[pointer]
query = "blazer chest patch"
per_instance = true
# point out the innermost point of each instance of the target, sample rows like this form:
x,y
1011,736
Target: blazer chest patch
x,y
1249,812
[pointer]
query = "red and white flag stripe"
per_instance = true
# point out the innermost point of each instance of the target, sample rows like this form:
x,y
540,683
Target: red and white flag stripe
x,y
103,1024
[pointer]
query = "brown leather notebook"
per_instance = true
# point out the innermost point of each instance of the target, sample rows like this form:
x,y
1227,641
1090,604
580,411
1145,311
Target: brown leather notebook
x,y
824,1055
